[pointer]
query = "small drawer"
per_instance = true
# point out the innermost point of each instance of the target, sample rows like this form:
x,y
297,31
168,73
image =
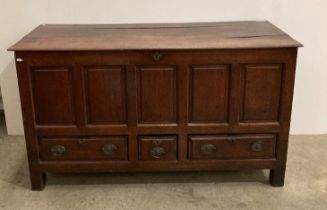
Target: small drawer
x,y
231,147
157,147
84,149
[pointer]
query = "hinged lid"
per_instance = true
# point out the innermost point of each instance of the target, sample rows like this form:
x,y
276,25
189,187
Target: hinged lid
x,y
215,35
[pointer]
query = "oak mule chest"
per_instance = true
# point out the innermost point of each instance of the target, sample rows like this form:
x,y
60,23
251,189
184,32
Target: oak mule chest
x,y
156,97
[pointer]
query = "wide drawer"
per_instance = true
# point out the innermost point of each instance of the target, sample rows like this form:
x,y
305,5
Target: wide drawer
x,y
206,147
84,149
158,147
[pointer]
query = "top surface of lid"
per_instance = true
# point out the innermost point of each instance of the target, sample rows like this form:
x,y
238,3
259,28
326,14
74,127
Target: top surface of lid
x,y
213,35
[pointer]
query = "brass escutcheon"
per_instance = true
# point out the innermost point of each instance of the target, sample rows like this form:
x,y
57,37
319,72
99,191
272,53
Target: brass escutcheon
x,y
156,56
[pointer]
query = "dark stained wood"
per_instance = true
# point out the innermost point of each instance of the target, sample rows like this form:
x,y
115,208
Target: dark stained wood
x,y
157,166
106,94
224,35
165,144
167,100
50,84
37,175
83,149
209,88
231,147
157,104
262,83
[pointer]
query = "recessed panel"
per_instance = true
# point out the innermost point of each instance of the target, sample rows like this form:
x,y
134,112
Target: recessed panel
x,y
157,95
53,96
261,93
209,94
106,95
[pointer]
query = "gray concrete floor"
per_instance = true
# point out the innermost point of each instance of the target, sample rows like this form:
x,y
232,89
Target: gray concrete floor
x,y
305,187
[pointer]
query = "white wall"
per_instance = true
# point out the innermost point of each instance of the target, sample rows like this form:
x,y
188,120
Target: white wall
x,y
305,20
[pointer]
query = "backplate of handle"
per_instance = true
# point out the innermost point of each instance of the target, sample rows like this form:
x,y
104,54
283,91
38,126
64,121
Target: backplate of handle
x,y
58,150
158,152
257,146
207,148
109,149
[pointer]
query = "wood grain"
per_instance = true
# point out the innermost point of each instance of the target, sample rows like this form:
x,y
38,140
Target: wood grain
x,y
84,149
232,147
215,35
146,104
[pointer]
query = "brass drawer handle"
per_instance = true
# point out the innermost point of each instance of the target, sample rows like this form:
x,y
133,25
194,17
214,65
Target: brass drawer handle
x,y
257,146
156,56
109,149
207,148
157,152
58,150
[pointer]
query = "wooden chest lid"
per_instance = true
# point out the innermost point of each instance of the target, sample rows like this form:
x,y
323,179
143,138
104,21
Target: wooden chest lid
x,y
178,36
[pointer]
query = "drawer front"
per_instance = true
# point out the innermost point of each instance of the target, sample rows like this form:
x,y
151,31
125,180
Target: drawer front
x,y
157,148
84,149
207,147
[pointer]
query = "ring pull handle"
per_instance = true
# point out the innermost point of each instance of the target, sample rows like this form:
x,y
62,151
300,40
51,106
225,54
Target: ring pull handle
x,y
208,149
158,152
58,150
257,146
109,149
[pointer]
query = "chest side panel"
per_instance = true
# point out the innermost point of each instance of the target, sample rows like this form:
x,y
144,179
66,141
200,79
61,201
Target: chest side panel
x,y
261,92
53,95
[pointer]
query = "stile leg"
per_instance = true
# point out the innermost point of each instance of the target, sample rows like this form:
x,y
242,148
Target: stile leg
x,y
38,180
276,177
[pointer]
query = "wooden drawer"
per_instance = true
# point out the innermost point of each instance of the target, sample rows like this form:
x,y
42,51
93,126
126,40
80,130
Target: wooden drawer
x,y
84,149
231,147
157,147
